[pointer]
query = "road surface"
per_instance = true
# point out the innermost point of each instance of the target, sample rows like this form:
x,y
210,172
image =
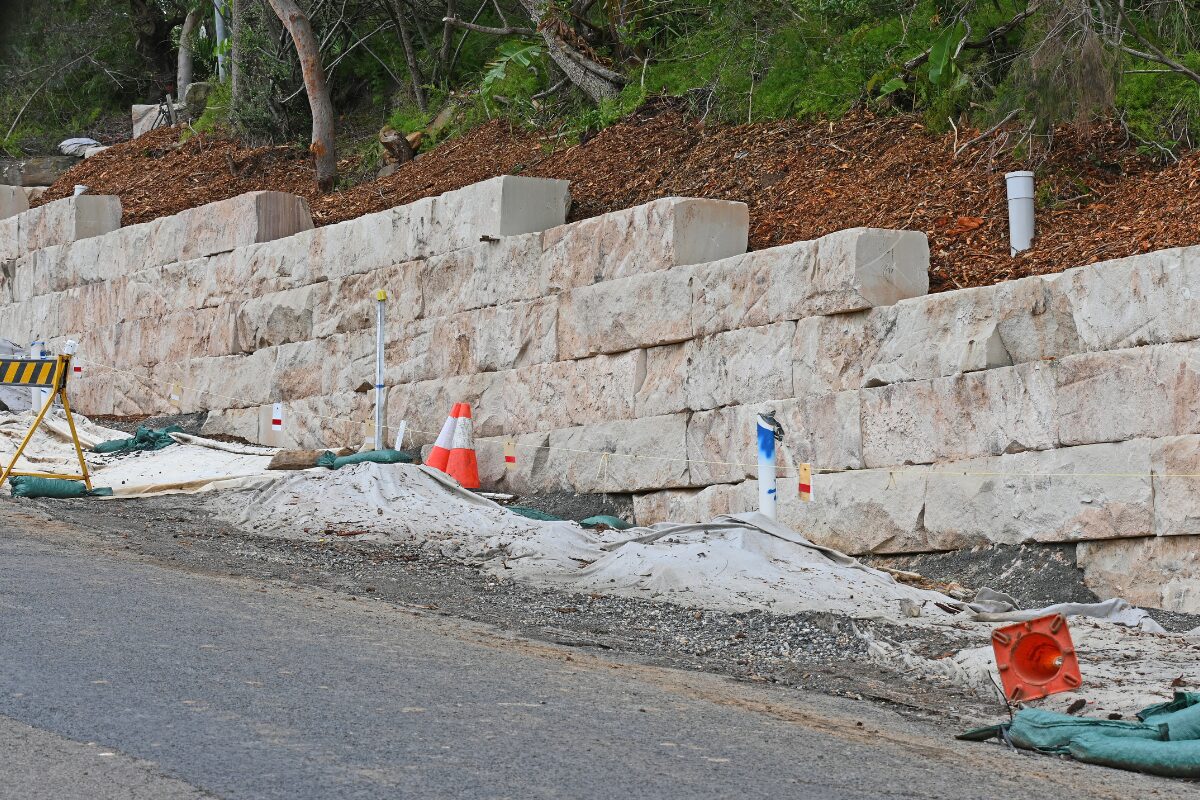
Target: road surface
x,y
124,678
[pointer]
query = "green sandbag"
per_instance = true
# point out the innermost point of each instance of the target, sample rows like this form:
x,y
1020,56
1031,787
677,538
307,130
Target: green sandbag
x,y
1048,732
533,513
1169,759
1181,725
328,459
57,488
1181,701
607,520
143,439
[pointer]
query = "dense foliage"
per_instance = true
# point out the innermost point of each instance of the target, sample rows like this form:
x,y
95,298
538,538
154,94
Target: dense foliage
x,y
72,67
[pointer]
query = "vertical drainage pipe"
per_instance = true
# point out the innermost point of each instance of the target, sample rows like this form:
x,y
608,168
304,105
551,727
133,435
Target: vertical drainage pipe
x,y
1020,211
767,488
380,301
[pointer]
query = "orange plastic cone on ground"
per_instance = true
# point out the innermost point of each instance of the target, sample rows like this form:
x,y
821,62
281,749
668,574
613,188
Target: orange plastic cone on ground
x,y
462,465
439,456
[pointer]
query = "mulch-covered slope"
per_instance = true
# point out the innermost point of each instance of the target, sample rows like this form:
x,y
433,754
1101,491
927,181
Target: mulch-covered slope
x,y
1099,198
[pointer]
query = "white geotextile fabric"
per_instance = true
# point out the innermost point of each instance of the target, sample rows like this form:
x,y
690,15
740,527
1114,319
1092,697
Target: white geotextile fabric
x,y
51,449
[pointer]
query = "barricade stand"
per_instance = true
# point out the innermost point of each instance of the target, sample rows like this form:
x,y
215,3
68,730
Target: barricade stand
x,y
43,373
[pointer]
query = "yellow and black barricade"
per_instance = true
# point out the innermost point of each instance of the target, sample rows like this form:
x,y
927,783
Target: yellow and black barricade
x,y
50,374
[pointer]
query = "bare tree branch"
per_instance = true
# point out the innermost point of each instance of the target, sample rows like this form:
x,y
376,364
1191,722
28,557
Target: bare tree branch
x,y
471,26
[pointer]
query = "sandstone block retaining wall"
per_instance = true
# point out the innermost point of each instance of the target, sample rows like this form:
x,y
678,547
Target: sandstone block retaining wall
x,y
631,352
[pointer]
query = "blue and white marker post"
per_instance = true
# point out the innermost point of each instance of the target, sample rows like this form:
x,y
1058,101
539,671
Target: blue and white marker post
x,y
768,496
380,301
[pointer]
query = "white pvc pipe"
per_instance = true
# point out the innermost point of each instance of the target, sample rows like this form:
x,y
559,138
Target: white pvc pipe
x,y
767,487
1020,211
381,299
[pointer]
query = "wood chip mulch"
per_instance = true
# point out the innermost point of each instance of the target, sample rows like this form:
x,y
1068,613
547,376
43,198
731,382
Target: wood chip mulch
x,y
1099,198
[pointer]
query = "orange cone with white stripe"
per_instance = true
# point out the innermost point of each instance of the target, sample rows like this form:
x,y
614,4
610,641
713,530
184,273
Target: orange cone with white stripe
x,y
462,465
439,456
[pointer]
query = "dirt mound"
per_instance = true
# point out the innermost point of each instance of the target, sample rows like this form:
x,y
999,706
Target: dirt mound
x,y
1099,198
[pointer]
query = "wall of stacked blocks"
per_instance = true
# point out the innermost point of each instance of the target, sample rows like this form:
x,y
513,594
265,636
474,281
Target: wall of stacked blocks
x,y
631,353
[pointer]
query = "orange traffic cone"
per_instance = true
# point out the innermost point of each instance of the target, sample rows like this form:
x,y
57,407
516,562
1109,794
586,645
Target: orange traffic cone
x,y
439,456
1036,658
463,466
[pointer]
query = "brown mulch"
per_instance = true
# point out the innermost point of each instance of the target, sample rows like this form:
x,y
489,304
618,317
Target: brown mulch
x,y
1100,199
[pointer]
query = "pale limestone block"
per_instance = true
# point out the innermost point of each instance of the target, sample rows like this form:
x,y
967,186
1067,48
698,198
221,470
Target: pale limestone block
x,y
13,201
358,245
1035,320
747,365
247,219
662,390
523,477
830,354
278,317
625,314
484,274
695,505
1151,572
864,511
1175,461
1125,394
1153,298
240,381
564,394
997,411
1034,496
619,456
665,233
67,220
862,268
9,239
508,205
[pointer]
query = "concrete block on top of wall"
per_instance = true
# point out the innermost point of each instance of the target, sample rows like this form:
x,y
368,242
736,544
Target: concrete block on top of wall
x,y
243,220
13,201
67,220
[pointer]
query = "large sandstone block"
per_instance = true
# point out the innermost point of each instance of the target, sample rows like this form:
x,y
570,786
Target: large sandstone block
x,y
998,411
1037,497
665,233
507,205
1175,461
1151,298
695,505
625,314
9,239
621,456
1141,392
483,274
277,318
1151,572
523,477
243,220
831,354
484,340
13,201
863,511
823,431
67,220
747,365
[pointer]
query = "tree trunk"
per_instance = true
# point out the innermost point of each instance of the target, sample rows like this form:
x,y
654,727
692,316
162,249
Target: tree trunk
x,y
152,30
444,51
183,72
596,81
323,149
410,56
236,47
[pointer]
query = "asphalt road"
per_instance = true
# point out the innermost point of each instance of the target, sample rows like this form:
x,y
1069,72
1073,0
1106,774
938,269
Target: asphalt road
x,y
121,678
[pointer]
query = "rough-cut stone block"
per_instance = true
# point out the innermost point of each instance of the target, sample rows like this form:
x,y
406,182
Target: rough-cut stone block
x,y
1125,394
9,239
861,268
278,318
507,205
982,413
246,219
67,220
1140,300
1033,497
846,271
1176,464
13,201
1151,572
484,340
822,431
526,475
863,511
624,314
694,505
665,233
746,365
623,456
830,354
662,389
